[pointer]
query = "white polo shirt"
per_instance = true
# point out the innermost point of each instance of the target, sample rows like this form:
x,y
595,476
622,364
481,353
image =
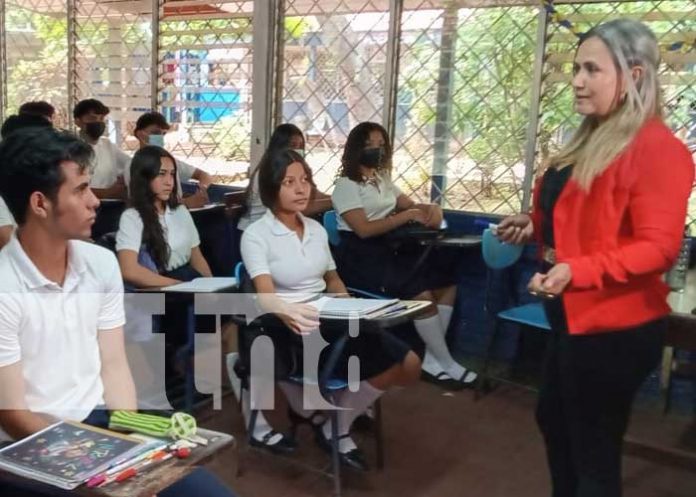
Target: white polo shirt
x,y
377,200
109,163
255,208
53,330
6,217
179,231
296,266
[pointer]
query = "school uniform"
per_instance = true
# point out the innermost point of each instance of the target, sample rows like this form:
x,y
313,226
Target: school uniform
x,y
6,217
377,264
297,268
54,331
179,231
109,162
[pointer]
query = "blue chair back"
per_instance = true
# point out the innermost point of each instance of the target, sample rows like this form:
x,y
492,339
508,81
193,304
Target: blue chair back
x,y
331,226
496,254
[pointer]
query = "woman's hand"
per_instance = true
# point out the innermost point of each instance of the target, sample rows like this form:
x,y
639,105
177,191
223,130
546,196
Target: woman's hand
x,y
413,214
517,229
433,216
553,282
300,318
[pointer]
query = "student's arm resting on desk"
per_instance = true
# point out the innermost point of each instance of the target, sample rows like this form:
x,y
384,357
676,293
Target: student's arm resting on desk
x,y
140,276
199,263
117,190
319,202
300,318
204,179
119,389
432,212
364,228
334,284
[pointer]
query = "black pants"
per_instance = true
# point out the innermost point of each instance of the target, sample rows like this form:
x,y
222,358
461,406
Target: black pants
x,y
584,407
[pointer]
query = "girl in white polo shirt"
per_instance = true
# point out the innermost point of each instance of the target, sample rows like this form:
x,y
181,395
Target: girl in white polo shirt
x,y
287,256
157,242
370,206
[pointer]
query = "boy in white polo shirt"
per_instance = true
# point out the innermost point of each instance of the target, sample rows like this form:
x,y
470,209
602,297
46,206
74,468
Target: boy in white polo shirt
x,y
61,301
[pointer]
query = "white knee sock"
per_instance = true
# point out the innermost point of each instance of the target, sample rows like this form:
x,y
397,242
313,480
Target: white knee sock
x,y
445,312
354,404
430,330
261,427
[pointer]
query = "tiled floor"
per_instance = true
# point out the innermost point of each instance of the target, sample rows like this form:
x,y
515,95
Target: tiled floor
x,y
444,445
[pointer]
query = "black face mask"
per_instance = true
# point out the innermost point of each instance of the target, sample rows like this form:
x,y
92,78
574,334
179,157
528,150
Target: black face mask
x,y
372,157
95,130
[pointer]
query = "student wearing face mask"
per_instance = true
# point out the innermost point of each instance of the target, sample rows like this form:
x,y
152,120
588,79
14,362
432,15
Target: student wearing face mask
x,y
150,129
370,206
285,136
110,162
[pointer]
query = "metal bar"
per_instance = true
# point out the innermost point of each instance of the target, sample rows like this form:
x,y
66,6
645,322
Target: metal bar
x,y
264,29
279,60
3,61
154,55
391,77
534,109
443,108
72,75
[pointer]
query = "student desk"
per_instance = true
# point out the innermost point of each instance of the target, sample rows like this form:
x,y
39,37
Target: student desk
x,y
165,474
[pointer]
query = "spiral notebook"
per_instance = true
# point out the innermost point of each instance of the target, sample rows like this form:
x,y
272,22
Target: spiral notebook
x,y
67,454
338,308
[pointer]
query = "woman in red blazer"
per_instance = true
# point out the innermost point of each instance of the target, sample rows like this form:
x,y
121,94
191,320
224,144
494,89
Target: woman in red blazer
x,y
608,215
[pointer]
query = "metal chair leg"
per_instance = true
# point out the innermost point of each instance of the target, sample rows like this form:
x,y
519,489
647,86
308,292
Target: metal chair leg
x,y
666,378
483,384
379,435
335,460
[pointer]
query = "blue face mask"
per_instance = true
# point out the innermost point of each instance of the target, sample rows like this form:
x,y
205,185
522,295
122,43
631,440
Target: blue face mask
x,y
156,140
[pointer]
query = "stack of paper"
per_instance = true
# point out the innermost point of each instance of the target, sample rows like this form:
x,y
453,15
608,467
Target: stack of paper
x,y
340,308
203,285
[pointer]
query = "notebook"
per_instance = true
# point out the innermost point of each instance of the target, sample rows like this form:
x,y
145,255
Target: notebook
x,y
203,285
67,454
337,308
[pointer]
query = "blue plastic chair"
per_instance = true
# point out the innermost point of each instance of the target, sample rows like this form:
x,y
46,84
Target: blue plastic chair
x,y
500,256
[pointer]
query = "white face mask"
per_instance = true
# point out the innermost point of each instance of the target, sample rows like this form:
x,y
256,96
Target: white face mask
x,y
156,140
299,151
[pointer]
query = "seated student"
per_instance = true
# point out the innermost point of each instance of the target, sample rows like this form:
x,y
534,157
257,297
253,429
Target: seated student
x,y
285,136
369,206
110,162
38,108
150,129
159,224
288,253
61,312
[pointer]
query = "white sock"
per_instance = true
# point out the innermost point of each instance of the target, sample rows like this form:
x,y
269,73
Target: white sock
x,y
354,404
261,426
445,312
430,330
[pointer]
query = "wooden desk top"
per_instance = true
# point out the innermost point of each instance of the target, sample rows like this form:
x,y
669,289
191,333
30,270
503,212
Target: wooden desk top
x,y
163,475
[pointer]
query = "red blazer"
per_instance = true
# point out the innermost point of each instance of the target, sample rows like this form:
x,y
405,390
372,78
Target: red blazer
x,y
622,235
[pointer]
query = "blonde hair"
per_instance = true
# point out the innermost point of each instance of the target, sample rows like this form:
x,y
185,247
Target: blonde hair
x,y
597,142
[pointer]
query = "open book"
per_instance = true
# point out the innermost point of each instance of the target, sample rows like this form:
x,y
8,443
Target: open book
x,y
67,454
202,285
337,308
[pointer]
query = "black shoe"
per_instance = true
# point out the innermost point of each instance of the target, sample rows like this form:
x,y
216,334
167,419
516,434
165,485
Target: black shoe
x,y
283,446
364,422
443,380
354,459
